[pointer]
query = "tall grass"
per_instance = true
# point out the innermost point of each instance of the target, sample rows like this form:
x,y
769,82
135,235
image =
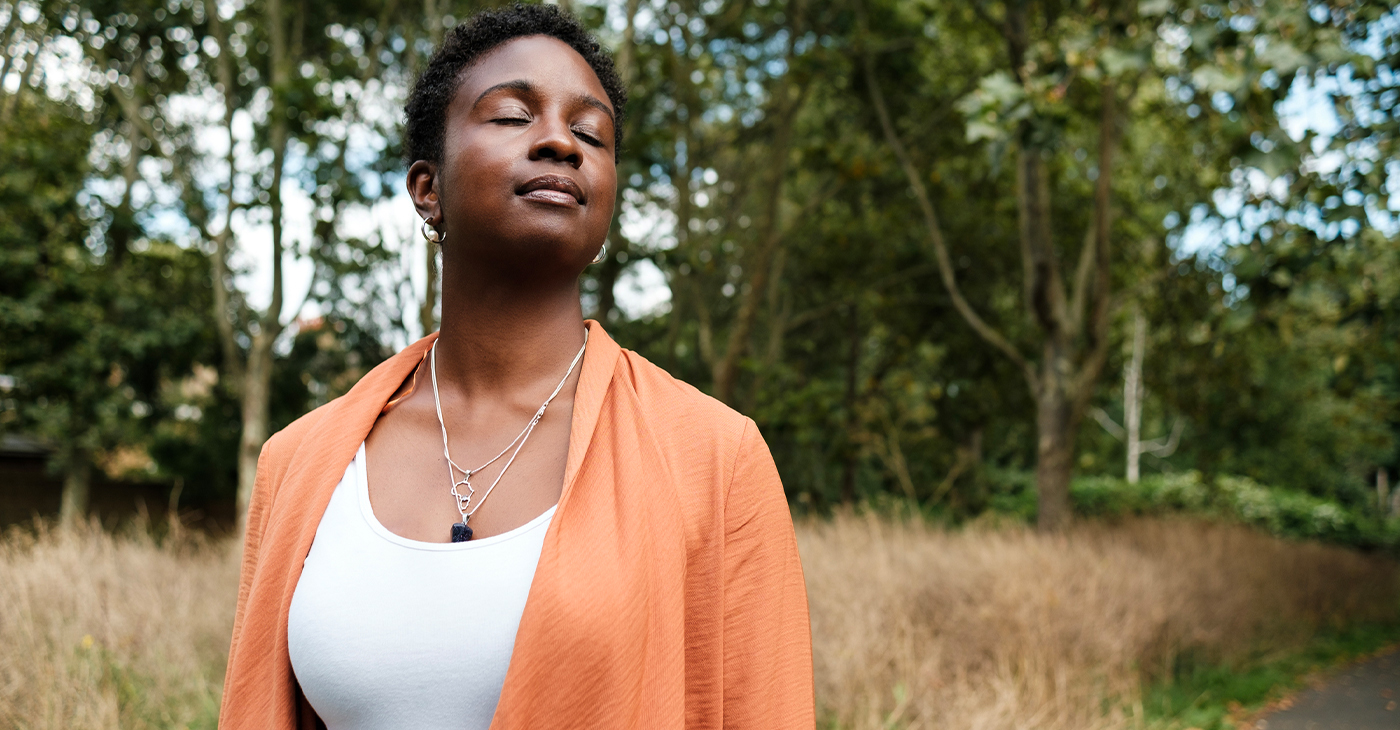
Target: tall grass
x,y
988,627
113,631
1006,628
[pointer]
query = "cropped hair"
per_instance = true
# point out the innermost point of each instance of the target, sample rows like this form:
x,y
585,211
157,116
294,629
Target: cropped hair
x,y
425,113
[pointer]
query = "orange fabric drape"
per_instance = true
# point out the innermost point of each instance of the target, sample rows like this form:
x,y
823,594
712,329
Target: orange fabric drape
x,y
669,592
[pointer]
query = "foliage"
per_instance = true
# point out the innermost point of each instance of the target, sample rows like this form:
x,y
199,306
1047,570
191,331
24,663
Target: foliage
x,y
89,354
1281,512
766,203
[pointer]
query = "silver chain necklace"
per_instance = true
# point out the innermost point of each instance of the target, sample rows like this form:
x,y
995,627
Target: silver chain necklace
x,y
460,531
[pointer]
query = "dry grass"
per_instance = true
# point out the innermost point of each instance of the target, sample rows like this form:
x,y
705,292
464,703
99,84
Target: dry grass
x,y
913,626
1004,628
103,631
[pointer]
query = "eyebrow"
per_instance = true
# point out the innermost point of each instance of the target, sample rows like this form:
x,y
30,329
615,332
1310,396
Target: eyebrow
x,y
596,103
526,87
517,85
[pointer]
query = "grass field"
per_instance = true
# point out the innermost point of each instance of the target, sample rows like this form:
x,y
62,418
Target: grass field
x,y
999,627
913,626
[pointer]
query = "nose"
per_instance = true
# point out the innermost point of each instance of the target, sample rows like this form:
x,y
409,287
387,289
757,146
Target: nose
x,y
556,142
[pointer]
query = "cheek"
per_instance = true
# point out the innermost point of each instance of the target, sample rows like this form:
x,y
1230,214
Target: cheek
x,y
476,170
605,187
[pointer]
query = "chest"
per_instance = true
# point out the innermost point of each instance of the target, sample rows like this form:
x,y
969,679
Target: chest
x,y
521,471
384,631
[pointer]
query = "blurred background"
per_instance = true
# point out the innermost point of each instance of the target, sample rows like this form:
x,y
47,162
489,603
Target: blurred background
x,y
1030,299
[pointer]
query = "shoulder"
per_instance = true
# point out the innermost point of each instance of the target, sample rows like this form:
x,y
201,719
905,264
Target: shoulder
x,y
668,399
278,450
355,410
353,413
697,431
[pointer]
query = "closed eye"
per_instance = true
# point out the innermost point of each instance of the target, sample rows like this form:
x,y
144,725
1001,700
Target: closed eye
x,y
588,136
510,120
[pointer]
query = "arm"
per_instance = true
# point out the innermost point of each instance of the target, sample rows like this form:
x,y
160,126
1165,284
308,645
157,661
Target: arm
x,y
767,633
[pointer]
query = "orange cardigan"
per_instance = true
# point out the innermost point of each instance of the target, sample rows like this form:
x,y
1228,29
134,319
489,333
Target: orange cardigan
x,y
668,594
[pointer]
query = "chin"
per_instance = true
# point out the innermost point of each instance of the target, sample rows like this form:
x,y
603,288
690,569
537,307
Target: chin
x,y
547,249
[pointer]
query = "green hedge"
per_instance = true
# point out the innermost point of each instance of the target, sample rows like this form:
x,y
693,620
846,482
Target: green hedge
x,y
1281,512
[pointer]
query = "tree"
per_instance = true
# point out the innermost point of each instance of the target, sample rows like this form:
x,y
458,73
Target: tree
x,y
311,110
1063,71
90,340
898,234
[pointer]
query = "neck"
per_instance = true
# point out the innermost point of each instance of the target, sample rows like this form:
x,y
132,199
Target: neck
x,y
503,339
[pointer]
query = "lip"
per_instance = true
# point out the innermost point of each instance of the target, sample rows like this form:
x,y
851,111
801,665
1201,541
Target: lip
x,y
553,189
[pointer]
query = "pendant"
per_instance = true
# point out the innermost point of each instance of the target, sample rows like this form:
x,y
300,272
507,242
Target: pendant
x,y
460,532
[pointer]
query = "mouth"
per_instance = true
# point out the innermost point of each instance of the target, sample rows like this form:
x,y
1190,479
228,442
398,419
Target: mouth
x,y
552,189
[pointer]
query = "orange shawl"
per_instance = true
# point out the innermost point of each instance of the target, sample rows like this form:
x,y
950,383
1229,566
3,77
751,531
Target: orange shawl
x,y
668,594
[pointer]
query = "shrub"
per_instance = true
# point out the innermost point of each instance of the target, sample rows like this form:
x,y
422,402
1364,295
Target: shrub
x,y
1280,512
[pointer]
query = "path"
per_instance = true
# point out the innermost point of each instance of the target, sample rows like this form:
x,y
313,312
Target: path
x,y
1364,697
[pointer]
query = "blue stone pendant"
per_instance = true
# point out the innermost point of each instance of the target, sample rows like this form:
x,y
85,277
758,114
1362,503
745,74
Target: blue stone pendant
x,y
460,532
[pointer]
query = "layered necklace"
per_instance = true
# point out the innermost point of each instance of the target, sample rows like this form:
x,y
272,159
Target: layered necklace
x,y
462,531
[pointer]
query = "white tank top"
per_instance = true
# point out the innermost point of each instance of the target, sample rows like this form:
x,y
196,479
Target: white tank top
x,y
388,632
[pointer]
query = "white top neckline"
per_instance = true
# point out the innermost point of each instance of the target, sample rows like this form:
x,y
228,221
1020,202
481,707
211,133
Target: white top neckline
x,y
367,510
387,632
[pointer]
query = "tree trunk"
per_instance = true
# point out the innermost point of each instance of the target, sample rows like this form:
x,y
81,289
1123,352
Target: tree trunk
x,y
1132,397
257,374
1056,430
256,389
968,460
1045,291
769,238
610,268
1074,333
77,489
726,370
123,228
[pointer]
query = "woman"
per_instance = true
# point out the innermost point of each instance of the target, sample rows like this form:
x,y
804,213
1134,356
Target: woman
x,y
515,523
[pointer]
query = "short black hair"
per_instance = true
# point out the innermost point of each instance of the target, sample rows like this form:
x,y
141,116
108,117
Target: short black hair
x,y
426,111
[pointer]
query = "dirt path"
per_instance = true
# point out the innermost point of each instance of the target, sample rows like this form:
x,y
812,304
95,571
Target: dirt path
x,y
1364,697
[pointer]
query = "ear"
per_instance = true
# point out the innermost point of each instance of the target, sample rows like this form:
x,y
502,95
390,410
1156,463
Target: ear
x,y
422,187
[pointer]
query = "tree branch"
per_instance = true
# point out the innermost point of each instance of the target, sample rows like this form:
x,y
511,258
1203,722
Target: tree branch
x,y
1097,327
726,371
935,232
811,315
1162,449
271,323
1108,423
1082,272
233,362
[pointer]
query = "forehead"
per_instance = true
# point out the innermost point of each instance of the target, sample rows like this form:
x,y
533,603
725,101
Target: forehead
x,y
547,63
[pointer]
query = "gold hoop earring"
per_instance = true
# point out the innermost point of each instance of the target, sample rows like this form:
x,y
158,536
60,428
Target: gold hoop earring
x,y
602,254
431,233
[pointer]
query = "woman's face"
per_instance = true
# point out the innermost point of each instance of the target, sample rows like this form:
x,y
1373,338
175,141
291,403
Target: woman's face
x,y
528,177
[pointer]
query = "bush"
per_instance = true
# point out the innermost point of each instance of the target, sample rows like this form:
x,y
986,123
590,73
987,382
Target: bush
x,y
1280,512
